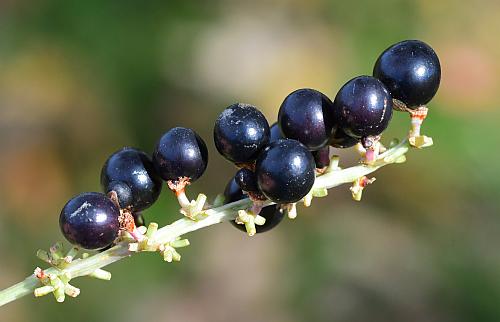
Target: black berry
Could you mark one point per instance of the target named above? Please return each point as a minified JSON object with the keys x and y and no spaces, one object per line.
{"x":322,"y":157}
{"x":285,"y":171}
{"x":363,"y":107}
{"x":90,"y":220}
{"x":411,"y":71}
{"x":275,"y":133}
{"x":130,"y":173}
{"x":341,"y":140}
{"x":246,"y":180}
{"x":272,"y":214}
{"x":306,"y":116}
{"x":233,"y":192}
{"x":179,"y":153}
{"x":240,"y":133}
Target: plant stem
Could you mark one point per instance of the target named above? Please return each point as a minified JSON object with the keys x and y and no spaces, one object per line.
{"x":86,"y":266}
{"x":19,"y":290}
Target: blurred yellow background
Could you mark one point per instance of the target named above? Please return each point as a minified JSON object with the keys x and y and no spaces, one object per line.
{"x":81,"y":79}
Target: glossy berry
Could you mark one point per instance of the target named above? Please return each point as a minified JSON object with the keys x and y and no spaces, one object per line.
{"x":306,"y":116}
{"x":246,"y":180}
{"x":275,"y":133}
{"x":363,"y":107}
{"x":233,"y":192}
{"x":180,"y":152}
{"x":322,"y":157}
{"x":240,"y":133}
{"x":341,"y":140}
{"x":272,"y":214}
{"x":285,"y":171}
{"x":411,"y":71}
{"x":130,"y":173}
{"x":90,"y":221}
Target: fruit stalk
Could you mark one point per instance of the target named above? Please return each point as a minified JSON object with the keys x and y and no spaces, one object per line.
{"x":88,"y":265}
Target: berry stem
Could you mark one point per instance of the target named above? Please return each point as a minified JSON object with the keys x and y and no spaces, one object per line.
{"x":189,"y":208}
{"x":256,"y":207}
{"x":417,"y":118}
{"x":86,"y":266}
{"x":371,"y":144}
{"x":291,"y":210}
{"x":179,"y":188}
{"x":335,"y":178}
{"x":183,"y":199}
{"x":415,"y":138}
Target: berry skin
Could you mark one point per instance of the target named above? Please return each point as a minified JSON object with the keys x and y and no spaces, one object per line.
{"x":180,"y":152}
{"x":275,"y":133}
{"x":90,"y":221}
{"x":272,"y":213}
{"x":241,"y":131}
{"x":130,"y":173}
{"x":322,"y":157}
{"x":233,"y":192}
{"x":411,"y":71}
{"x":363,"y":107}
{"x":285,"y":171}
{"x":341,"y":140}
{"x":246,"y":180}
{"x":306,"y":116}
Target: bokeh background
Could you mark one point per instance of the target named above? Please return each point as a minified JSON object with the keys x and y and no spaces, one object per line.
{"x":81,"y":79}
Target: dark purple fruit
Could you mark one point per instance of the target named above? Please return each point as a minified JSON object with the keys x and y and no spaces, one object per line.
{"x":180,"y":152}
{"x":233,"y":192}
{"x":285,"y":171}
{"x":90,"y":221}
{"x":275,"y":133}
{"x":341,"y":140}
{"x":363,"y":107}
{"x":322,"y":157}
{"x":272,"y":214}
{"x":130,"y":173}
{"x":246,"y":180}
{"x":306,"y":116}
{"x":240,"y":133}
{"x":411,"y":72}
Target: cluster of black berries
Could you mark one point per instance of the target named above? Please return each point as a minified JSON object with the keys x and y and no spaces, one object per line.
{"x":277,"y":163}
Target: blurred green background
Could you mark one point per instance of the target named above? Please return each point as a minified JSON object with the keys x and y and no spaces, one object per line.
{"x":81,"y":79}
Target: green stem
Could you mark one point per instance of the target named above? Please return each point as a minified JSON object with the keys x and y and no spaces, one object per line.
{"x":19,"y":290}
{"x":86,"y":266}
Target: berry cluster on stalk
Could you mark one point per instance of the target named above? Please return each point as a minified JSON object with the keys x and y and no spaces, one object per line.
{"x":275,"y":166}
{"x":277,"y":163}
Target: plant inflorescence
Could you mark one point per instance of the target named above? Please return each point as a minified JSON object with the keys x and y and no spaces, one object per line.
{"x":278,"y":167}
